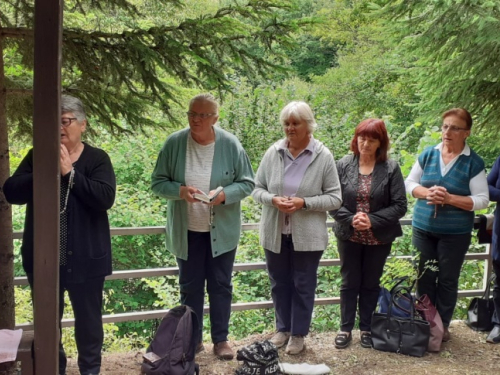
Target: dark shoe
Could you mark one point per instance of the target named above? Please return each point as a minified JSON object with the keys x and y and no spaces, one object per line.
{"x":342,"y":340}
{"x":446,"y":335}
{"x":199,"y":348}
{"x":494,"y":336}
{"x":366,"y":339}
{"x":222,"y":350}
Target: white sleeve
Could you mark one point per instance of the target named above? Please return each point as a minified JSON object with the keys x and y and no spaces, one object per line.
{"x":480,"y":196}
{"x":413,"y":179}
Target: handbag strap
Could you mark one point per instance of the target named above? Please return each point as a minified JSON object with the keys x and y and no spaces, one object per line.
{"x":393,"y":301}
{"x":487,"y":290}
{"x":399,"y":281}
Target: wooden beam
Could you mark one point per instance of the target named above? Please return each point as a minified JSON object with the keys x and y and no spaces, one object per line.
{"x":46,"y":143}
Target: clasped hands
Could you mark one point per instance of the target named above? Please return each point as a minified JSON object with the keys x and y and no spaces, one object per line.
{"x":437,"y":195}
{"x":361,"y":221}
{"x":288,"y":205}
{"x":186,"y":193}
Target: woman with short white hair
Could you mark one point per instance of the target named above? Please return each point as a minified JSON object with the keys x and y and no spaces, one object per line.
{"x":296,"y":183}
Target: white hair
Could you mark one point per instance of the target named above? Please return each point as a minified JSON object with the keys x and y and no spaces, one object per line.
{"x":73,"y":105}
{"x":300,"y":111}
{"x":205,"y":98}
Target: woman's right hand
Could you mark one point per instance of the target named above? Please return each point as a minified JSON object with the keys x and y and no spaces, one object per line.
{"x":65,"y":161}
{"x":436,"y":195}
{"x":187,"y":192}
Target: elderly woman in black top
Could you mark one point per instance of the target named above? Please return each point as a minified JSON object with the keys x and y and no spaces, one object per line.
{"x":374,"y":199}
{"x":87,"y":191}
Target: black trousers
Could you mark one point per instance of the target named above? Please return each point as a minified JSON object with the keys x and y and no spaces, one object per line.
{"x":293,"y":276}
{"x":217,"y":272}
{"x":448,"y":250}
{"x":86,"y":300}
{"x":361,"y":269}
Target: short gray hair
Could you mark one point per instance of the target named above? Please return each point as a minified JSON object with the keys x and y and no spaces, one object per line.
{"x":206,"y":97}
{"x":300,"y":111}
{"x":73,"y":105}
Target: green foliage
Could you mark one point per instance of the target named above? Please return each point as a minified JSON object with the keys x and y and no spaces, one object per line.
{"x":137,"y":62}
{"x":456,"y":43}
{"x":125,"y":62}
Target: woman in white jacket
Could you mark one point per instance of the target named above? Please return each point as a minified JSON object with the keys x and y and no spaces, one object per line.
{"x":297,"y":183}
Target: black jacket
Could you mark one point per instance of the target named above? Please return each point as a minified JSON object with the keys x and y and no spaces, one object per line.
{"x":387,"y":199}
{"x":93,"y":193}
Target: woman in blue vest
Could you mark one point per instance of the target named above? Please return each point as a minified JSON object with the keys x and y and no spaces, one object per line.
{"x":449,"y":183}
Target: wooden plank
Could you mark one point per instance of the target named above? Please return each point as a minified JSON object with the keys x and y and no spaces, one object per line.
{"x":46,"y":135}
{"x":172,"y":271}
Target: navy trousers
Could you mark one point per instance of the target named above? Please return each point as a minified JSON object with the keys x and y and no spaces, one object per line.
{"x":361,"y":269}
{"x":217,"y":272}
{"x":293,"y":276}
{"x":86,"y":300}
{"x":496,"y":292}
{"x":442,"y":285}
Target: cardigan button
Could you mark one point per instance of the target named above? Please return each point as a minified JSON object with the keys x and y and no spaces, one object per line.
{"x":69,"y":270}
{"x":215,"y":239}
{"x":70,"y":252}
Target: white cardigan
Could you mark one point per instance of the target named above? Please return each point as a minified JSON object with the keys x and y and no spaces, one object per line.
{"x":320,"y":188}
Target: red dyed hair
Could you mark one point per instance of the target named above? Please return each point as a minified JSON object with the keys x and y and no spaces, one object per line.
{"x":372,"y":128}
{"x":461,"y":113}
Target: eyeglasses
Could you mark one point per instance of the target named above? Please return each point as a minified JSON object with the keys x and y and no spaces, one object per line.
{"x":454,"y":129}
{"x":66,"y":121}
{"x":200,"y":115}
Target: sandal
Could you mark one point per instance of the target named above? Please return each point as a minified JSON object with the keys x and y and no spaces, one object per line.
{"x":366,"y":339}
{"x":342,"y":340}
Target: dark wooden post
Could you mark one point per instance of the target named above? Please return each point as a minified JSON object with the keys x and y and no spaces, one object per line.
{"x":46,"y":135}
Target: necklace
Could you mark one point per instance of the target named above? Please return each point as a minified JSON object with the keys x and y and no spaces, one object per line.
{"x":70,"y":185}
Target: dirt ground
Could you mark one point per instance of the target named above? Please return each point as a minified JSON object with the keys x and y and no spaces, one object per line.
{"x":466,"y":353}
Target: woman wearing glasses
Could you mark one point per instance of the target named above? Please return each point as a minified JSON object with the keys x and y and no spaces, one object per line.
{"x":449,"y":183}
{"x":296,"y":183}
{"x":203,"y":236}
{"x":87,"y":191}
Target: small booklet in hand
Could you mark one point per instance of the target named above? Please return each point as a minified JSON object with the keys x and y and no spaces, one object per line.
{"x":201,"y":196}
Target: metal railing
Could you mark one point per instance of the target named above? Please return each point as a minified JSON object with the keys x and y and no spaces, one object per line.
{"x":156,"y":272}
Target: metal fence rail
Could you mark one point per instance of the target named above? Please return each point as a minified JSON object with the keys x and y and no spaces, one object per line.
{"x":157,"y":272}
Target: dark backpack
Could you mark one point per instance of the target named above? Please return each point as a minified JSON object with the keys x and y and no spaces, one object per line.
{"x":172,"y":351}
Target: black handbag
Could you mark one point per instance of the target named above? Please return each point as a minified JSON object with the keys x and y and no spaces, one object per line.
{"x":404,"y":335}
{"x":481,"y":310}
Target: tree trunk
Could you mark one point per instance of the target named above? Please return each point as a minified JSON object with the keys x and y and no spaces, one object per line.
{"x":7,"y":310}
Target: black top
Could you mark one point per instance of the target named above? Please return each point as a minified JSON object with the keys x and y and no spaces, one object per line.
{"x":387,"y":199}
{"x":88,"y":235}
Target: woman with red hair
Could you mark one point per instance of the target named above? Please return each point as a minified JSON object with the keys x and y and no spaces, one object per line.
{"x":374,"y":199}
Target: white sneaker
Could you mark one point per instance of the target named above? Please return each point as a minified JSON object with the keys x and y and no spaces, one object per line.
{"x":280,"y":339}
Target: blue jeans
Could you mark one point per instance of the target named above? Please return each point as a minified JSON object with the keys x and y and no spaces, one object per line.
{"x":361,"y":269}
{"x":217,"y":272}
{"x":442,"y":285}
{"x":293,"y":276}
